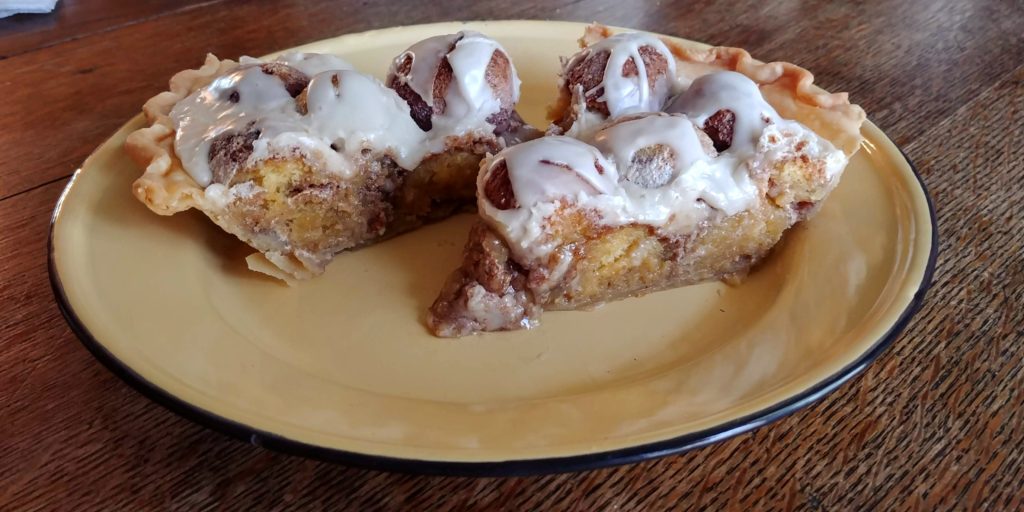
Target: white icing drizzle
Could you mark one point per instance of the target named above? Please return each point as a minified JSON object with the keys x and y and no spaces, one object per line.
{"x":621,"y":141}
{"x":357,"y":113}
{"x":704,"y":184}
{"x":309,"y":63}
{"x":263,"y":102}
{"x":717,"y":181}
{"x":426,"y":58}
{"x":586,"y":122}
{"x":727,"y":90}
{"x":759,"y":133}
{"x":554,"y":167}
{"x":345,"y":108}
{"x":544,"y":172}
{"x":313,"y":64}
{"x":469,"y":100}
{"x":469,"y":60}
{"x":538,"y":187}
{"x":629,"y":94}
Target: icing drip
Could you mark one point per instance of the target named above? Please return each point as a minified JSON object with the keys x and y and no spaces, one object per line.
{"x":727,"y":90}
{"x":629,"y":94}
{"x":759,"y":134}
{"x":621,"y":141}
{"x":426,"y":60}
{"x":344,"y":112}
{"x":262,"y":103}
{"x":555,"y":167}
{"x":355,"y":111}
{"x":698,"y":183}
{"x":313,"y":64}
{"x":469,"y":99}
{"x":344,"y":108}
{"x":473,"y":95}
{"x":586,"y":122}
{"x":542,"y":173}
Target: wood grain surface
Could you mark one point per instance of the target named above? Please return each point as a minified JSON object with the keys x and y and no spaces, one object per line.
{"x":935,"y":424}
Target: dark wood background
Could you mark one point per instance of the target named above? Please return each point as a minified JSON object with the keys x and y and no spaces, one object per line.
{"x":935,"y":423}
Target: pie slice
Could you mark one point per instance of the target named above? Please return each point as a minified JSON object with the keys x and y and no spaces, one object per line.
{"x":303,"y":157}
{"x":664,"y":167}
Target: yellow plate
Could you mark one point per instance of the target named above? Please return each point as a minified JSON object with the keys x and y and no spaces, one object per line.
{"x":343,"y":368}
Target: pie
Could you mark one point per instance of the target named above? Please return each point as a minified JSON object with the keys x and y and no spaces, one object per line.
{"x":664,"y":166}
{"x":303,"y":157}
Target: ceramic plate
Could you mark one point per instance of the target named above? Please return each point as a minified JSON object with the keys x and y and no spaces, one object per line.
{"x":342,"y":367}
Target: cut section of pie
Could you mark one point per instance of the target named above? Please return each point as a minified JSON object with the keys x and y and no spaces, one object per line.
{"x":302,"y":157}
{"x":677,"y":166}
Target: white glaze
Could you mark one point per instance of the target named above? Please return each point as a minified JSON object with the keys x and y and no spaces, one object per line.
{"x":313,"y":64}
{"x":473,"y":96}
{"x":710,"y":93}
{"x":628,"y":94}
{"x":717,"y":181}
{"x":357,"y":114}
{"x":704,"y":183}
{"x":309,"y":63}
{"x":540,"y":187}
{"x":469,"y":100}
{"x":759,"y":133}
{"x":207,"y":113}
{"x":426,"y":58}
{"x":493,"y":311}
{"x":559,"y":167}
{"x":620,"y":141}
{"x":586,"y":122}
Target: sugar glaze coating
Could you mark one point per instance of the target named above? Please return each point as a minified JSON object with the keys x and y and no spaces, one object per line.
{"x":700,"y":183}
{"x":317,"y":106}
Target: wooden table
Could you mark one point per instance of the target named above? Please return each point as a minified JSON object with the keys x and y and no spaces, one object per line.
{"x":935,"y":423}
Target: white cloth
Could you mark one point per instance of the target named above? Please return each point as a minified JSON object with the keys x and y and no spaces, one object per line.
{"x":9,"y":7}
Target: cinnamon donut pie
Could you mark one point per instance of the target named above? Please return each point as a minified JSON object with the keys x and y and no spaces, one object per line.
{"x":663,"y":167}
{"x":303,"y":157}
